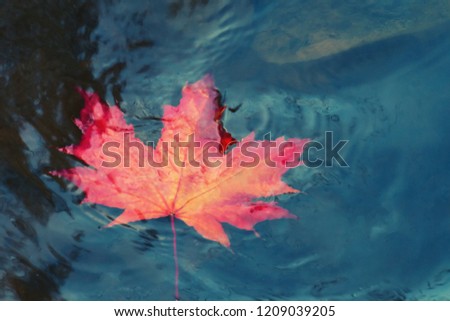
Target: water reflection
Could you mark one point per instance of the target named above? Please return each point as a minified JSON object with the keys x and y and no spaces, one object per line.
{"x":358,"y":227}
{"x":46,"y":51}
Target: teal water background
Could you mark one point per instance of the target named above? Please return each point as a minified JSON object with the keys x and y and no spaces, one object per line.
{"x":373,"y":73}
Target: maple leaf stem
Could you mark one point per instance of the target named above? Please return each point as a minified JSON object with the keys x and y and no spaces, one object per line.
{"x":175,"y":257}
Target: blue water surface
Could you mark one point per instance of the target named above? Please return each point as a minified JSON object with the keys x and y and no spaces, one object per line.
{"x":375,"y":74}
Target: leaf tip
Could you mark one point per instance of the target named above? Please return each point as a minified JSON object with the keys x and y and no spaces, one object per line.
{"x":292,"y":216}
{"x":83,"y":93}
{"x":111,"y":224}
{"x":225,"y":243}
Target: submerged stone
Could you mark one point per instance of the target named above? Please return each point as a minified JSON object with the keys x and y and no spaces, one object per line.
{"x":315,"y":29}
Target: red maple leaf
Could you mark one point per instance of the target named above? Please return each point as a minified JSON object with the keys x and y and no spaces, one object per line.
{"x":191,"y":174}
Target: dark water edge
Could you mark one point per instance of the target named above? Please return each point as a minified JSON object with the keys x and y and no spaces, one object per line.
{"x":378,"y":230}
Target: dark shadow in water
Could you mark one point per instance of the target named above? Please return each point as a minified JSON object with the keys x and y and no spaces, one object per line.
{"x":146,"y":239}
{"x":177,"y":5}
{"x":45,"y":50}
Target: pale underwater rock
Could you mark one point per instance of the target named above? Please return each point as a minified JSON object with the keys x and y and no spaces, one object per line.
{"x":311,"y":30}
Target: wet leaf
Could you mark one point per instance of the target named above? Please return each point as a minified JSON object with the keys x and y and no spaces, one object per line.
{"x":192,"y":173}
